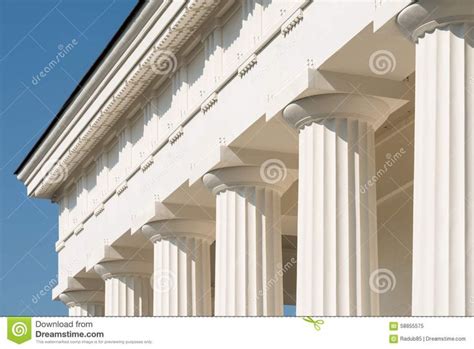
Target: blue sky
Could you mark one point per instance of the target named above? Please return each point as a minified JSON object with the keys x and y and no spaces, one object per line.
{"x":32,"y":33}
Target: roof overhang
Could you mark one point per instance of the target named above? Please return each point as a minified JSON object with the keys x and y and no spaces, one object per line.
{"x":117,"y":79}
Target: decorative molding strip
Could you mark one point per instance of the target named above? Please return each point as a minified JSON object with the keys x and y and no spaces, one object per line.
{"x":121,"y":188}
{"x":99,"y":210}
{"x":176,"y":135}
{"x":288,"y":26}
{"x":208,"y":103}
{"x":247,"y":65}
{"x":78,"y":229}
{"x":66,"y":238}
{"x":147,"y":163}
{"x":59,"y":245}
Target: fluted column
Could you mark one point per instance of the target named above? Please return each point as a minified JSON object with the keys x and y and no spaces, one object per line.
{"x":84,"y":303}
{"x":337,"y":213}
{"x":127,"y":287}
{"x":443,"y":213}
{"x":248,"y":242}
{"x":182,"y":266}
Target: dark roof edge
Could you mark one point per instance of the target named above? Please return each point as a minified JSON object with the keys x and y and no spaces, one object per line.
{"x":83,"y":81}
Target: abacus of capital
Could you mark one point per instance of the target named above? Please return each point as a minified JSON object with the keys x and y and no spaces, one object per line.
{"x":246,"y":158}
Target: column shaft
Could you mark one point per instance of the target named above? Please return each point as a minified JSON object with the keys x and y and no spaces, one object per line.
{"x":248,"y":252}
{"x":182,"y":277}
{"x":337,"y":222}
{"x":127,"y":287}
{"x":182,"y":266}
{"x":86,"y":310}
{"x":128,"y":295}
{"x":443,"y":212}
{"x":443,"y":263}
{"x":84,"y":302}
{"x":337,"y":208}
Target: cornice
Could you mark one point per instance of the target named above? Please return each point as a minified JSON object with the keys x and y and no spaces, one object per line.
{"x":137,"y":80}
{"x":89,"y":86}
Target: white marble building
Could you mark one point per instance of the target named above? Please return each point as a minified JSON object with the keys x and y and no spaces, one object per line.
{"x":229,"y":157}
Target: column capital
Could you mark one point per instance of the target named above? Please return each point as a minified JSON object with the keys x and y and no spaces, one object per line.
{"x":74,"y":298}
{"x":172,"y":228}
{"x":322,"y":107}
{"x":110,"y":269}
{"x":427,"y":15}
{"x":272,"y":175}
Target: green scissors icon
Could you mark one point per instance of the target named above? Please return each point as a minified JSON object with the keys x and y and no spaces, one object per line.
{"x":316,"y":323}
